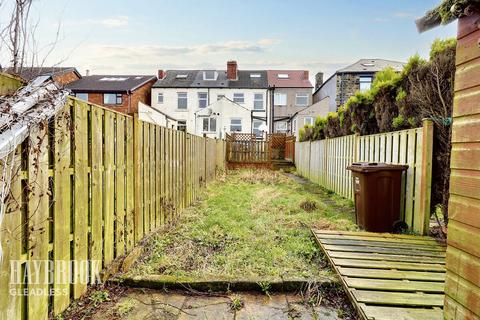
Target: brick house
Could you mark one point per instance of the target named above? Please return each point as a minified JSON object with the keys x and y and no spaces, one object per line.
{"x":345,"y":82}
{"x":118,"y":92}
{"x":291,"y":92}
{"x":61,"y":75}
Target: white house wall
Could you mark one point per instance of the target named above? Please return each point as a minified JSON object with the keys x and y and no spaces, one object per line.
{"x":169,"y":105}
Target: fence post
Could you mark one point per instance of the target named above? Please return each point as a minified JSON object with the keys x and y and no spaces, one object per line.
{"x":426,"y":176}
{"x":137,"y":157}
{"x":309,"y":157}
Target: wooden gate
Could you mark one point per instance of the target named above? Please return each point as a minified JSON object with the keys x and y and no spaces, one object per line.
{"x":245,"y":150}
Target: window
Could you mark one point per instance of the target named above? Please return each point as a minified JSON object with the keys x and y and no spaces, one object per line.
{"x":238,"y":98}
{"x":258,"y":101}
{"x":112,"y":98}
{"x":308,"y":120}
{"x":182,"y":125}
{"x":182,"y":76}
{"x":256,"y":128}
{"x":281,"y":126}
{"x":160,"y":98}
{"x":209,"y":75}
{"x":280,"y":99}
{"x":182,"y":100}
{"x":283,"y":76}
{"x":83,"y":96}
{"x":220,"y":96}
{"x":235,"y":125}
{"x":301,"y":99}
{"x":209,"y":125}
{"x":294,"y":126}
{"x":365,"y":83}
{"x":202,"y":99}
{"x":255,"y":75}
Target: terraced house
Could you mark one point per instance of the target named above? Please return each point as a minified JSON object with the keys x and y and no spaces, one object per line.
{"x":182,"y":94}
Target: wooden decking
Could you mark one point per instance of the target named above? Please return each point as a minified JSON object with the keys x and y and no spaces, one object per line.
{"x":388,"y":277}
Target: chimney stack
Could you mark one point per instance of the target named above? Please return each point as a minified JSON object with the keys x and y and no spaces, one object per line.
{"x":161,"y":74}
{"x":232,"y":72}
{"x":305,"y":74}
{"x":318,"y":80}
{"x":87,"y":72}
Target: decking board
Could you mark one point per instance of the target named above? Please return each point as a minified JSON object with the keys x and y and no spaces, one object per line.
{"x":388,"y":277}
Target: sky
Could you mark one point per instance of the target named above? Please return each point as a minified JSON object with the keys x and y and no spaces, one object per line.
{"x":142,"y":36}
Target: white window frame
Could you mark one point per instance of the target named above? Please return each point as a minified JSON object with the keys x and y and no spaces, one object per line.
{"x":209,"y":79}
{"x":209,"y":125}
{"x":363,"y":81}
{"x":182,"y":124}
{"x":202,"y":99}
{"x":231,"y":124}
{"x":294,"y":126}
{"x":310,"y":122}
{"x":259,"y":133}
{"x":256,"y":100}
{"x":302,"y":95}
{"x":276,"y":99}
{"x":160,"y":101}
{"x":184,"y":96}
{"x":283,"y":76}
{"x":237,"y":98}
{"x":281,"y":130}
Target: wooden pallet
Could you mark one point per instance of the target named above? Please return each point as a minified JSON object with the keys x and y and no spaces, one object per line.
{"x":386,"y":276}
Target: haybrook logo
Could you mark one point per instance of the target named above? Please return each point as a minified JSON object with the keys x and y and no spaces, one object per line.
{"x":47,"y":277}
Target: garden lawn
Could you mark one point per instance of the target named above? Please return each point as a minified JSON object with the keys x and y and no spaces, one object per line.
{"x":248,"y":225}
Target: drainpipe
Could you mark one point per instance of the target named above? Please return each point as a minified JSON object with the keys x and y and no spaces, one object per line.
{"x":272,"y":106}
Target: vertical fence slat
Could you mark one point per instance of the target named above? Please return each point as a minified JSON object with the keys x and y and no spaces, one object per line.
{"x":129,"y":183}
{"x":81,"y":197}
{"x":109,"y":182}
{"x":120,"y":186}
{"x":38,"y":227}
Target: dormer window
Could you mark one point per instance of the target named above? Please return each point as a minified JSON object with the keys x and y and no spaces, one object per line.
{"x":209,"y":75}
{"x":182,"y":76}
{"x":283,"y":76}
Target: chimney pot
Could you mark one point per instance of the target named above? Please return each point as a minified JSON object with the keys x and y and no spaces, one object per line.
{"x":318,"y":80}
{"x":87,"y":72}
{"x":232,"y":70}
{"x":305,"y":74}
{"x":161,"y":74}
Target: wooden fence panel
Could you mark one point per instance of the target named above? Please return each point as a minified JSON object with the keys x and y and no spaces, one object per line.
{"x":89,"y":202}
{"x":324,"y":162}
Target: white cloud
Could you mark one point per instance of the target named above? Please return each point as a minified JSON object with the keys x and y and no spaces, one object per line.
{"x":113,"y":22}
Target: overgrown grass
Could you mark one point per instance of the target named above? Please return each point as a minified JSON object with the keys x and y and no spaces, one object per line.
{"x":249,"y":224}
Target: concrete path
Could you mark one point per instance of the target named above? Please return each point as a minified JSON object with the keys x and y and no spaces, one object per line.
{"x":149,"y":305}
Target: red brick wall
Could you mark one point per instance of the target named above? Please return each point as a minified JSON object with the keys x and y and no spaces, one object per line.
{"x":462,"y":286}
{"x":66,"y":78}
{"x":129,"y":101}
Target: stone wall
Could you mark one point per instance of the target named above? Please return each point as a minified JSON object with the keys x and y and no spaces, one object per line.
{"x":347,"y":85}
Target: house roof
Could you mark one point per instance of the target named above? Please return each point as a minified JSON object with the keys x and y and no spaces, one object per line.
{"x":195,"y":79}
{"x":295,"y":79}
{"x":30,"y":73}
{"x":446,"y":12}
{"x":110,"y":83}
{"x":371,"y":65}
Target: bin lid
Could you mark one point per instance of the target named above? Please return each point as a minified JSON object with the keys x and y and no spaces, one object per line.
{"x":375,"y":167}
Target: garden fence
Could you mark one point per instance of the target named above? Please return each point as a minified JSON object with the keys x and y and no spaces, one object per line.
{"x":325,"y":162}
{"x":88,"y":187}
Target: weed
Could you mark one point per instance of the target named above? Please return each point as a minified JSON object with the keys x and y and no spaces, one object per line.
{"x":265,"y":286}
{"x":100,"y":296}
{"x":236,"y":303}
{"x":124,"y":307}
{"x":308,"y":205}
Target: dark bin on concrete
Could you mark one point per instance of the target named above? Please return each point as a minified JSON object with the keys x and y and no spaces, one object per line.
{"x":378,"y":188}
